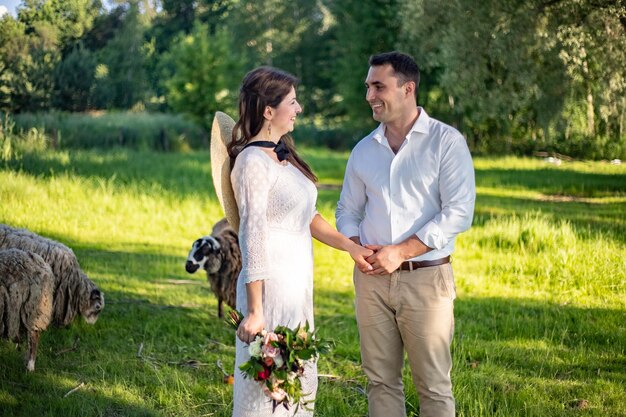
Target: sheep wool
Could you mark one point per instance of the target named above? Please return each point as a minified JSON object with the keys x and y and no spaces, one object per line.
{"x":220,"y":256}
{"x":74,"y":292}
{"x":26,"y":298}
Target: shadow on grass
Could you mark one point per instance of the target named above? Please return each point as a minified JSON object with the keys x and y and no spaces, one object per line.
{"x":554,"y":181}
{"x":137,"y":351}
{"x":541,"y":339}
{"x":187,"y":174}
{"x":515,"y":333}
{"x":585,"y":218}
{"x":177,"y":174}
{"x":159,"y":333}
{"x":17,"y":389}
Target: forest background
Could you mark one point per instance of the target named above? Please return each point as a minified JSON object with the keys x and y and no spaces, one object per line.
{"x":105,"y":112}
{"x":516,"y":77}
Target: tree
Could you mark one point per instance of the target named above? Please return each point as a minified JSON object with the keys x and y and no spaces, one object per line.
{"x":294,"y":36}
{"x":310,"y":59}
{"x":362,"y":29}
{"x":179,"y":16}
{"x":516,"y":75}
{"x":105,"y":27}
{"x":206,"y":74}
{"x":13,"y":62}
{"x":34,"y":47}
{"x":27,"y":62}
{"x":74,"y":79}
{"x":71,"y":18}
{"x":592,"y":47}
{"x":121,"y":79}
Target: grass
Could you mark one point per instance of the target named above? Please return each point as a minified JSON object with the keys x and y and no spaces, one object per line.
{"x":105,"y":130}
{"x":539,"y":317}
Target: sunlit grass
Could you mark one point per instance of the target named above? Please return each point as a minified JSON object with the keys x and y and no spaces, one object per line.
{"x":540,"y":277}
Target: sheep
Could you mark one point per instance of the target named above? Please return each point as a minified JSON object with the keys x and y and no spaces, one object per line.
{"x":220,"y":257}
{"x":26,"y":299}
{"x":74,"y":292}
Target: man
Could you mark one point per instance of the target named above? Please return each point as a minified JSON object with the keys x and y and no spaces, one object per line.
{"x":408,"y":191}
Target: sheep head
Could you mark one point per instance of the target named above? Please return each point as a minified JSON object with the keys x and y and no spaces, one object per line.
{"x":205,"y":253}
{"x":90,"y":310}
{"x":76,"y":295}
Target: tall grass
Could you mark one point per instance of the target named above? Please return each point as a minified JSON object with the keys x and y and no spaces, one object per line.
{"x":105,"y":130}
{"x":539,"y":317}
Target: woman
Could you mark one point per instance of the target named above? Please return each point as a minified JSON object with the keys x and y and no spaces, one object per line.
{"x":276,"y":194}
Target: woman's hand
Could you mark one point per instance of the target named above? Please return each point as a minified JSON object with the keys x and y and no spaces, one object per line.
{"x":250,"y":326}
{"x":359,"y":253}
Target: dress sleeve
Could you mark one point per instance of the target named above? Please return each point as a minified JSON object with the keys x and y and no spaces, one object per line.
{"x":251,"y":185}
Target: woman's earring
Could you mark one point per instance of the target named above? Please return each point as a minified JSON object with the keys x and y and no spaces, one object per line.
{"x":269,"y":131}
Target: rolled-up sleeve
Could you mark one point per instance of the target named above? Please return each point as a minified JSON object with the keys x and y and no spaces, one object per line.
{"x":457,"y":190}
{"x":351,"y":205}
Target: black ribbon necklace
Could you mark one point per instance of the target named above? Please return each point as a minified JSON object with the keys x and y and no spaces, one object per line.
{"x":280,"y":148}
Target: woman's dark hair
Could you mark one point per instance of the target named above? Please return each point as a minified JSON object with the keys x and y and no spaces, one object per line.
{"x":262,"y":87}
{"x":403,"y":65}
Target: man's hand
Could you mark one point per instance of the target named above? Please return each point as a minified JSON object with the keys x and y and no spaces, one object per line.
{"x":385,"y":259}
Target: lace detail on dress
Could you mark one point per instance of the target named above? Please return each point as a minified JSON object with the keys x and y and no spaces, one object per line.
{"x":252,"y":179}
{"x":276,"y":205}
{"x":283,"y":204}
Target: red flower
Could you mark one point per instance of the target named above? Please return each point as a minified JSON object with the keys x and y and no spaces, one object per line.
{"x":277,"y":361}
{"x":263,"y":375}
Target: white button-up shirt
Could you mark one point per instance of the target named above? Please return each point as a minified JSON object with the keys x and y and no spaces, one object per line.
{"x":427,"y":189}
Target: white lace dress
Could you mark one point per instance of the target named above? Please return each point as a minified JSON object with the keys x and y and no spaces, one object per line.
{"x":276,"y":205}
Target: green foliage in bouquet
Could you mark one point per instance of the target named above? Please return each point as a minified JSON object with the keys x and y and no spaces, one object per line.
{"x":277,"y":361}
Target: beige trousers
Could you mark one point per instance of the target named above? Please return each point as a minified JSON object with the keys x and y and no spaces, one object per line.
{"x":412,"y":311}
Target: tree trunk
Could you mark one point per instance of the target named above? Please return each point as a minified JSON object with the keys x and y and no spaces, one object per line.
{"x":591,"y":125}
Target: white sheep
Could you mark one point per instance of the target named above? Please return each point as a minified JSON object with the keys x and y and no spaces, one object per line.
{"x":26,"y":299}
{"x":74,"y":292}
{"x":219,"y":255}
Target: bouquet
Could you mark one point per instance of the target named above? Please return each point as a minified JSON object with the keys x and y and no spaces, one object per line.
{"x":277,"y":360}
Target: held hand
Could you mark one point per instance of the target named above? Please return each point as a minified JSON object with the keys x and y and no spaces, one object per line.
{"x":359,"y":253}
{"x":385,"y":259}
{"x":250,"y":326}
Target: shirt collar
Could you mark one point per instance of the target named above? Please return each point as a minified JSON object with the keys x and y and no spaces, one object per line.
{"x":420,"y":126}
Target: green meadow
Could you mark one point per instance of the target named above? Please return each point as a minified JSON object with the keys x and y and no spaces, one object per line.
{"x":541,"y":281}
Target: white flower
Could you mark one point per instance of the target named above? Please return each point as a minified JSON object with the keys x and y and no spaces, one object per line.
{"x":278,"y":360}
{"x":278,"y":394}
{"x":255,"y":347}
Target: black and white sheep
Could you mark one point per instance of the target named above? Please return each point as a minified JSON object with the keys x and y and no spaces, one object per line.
{"x":74,"y":293}
{"x":219,"y":255}
{"x":26,"y":299}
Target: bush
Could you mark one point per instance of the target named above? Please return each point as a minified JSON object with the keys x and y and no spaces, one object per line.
{"x":142,"y":131}
{"x":13,"y":145}
{"x":6,"y":137}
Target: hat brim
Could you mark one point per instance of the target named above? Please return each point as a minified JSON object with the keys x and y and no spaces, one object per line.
{"x":221,"y":135}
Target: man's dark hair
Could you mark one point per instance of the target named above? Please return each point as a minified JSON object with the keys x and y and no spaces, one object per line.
{"x":403,"y":65}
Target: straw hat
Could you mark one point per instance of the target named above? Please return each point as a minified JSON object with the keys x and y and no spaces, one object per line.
{"x":221,"y":135}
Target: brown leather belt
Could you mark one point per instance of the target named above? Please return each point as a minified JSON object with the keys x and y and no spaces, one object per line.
{"x":413,"y":265}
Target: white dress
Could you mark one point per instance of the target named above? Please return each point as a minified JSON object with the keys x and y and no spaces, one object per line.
{"x":276,"y":206}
